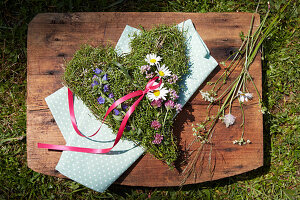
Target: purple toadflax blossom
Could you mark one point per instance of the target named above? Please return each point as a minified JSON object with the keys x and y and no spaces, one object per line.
{"x":111,"y":95}
{"x":97,"y":71}
{"x":116,"y":112}
{"x":106,"y":88}
{"x":105,"y":77}
{"x":95,"y":83}
{"x":124,"y":106}
{"x":95,"y":76}
{"x":101,"y":100}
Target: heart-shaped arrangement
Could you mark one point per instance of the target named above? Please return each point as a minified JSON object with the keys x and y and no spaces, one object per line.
{"x":99,"y":77}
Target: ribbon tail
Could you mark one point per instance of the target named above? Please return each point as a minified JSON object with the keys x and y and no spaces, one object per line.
{"x":91,"y":150}
{"x":72,"y":148}
{"x":72,"y":113}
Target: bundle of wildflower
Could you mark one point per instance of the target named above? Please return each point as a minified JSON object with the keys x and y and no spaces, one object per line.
{"x":99,"y":77}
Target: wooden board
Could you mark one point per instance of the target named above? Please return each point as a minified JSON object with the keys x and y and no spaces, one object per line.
{"x":53,"y":39}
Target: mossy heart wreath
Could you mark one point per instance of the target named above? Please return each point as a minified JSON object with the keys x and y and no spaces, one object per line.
{"x":99,"y":77}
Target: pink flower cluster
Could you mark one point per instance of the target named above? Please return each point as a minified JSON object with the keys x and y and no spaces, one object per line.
{"x":173,"y":79}
{"x":155,"y":124}
{"x":156,"y":103}
{"x":157,"y":139}
{"x":169,"y":104}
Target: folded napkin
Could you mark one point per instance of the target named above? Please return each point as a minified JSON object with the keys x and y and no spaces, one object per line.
{"x":99,"y":171}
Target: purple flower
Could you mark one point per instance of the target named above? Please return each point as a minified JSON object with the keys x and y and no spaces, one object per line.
{"x":157,"y":139}
{"x":156,"y":103}
{"x":155,"y":124}
{"x":173,"y":94}
{"x":169,"y":104}
{"x":111,"y":95}
{"x":178,"y":107}
{"x":106,"y":88}
{"x":127,"y":128}
{"x":124,"y":106}
{"x":95,"y":76}
{"x":104,"y":77}
{"x":97,"y":71}
{"x":173,"y":79}
{"x":95,"y":83}
{"x":149,"y":75}
{"x":116,"y":112}
{"x":101,"y":100}
{"x":145,"y":68}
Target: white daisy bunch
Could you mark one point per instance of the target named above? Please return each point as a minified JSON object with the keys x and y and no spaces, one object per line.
{"x":162,"y":71}
{"x":161,"y":93}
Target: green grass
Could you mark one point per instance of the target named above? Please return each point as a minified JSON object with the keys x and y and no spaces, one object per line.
{"x":278,"y":179}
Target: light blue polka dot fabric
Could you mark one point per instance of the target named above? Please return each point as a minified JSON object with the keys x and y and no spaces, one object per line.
{"x":99,"y":171}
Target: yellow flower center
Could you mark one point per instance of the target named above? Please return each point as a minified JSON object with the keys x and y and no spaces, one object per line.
{"x":153,"y":60}
{"x":156,"y":93}
{"x":161,"y":73}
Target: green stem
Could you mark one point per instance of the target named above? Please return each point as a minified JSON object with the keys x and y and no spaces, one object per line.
{"x":163,"y":126}
{"x":243,"y":123}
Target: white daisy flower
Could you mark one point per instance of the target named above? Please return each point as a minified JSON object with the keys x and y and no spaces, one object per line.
{"x":159,"y":93}
{"x":244,"y":96}
{"x":163,"y":71}
{"x":152,"y":59}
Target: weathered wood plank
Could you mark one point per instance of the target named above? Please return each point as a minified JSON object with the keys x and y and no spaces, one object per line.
{"x":53,"y":39}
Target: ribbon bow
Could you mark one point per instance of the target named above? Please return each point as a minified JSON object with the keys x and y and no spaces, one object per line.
{"x":141,"y":93}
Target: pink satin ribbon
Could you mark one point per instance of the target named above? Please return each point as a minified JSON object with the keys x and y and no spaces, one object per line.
{"x":141,"y":93}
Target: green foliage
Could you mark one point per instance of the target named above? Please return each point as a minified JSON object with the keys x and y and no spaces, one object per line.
{"x":278,"y":179}
{"x":125,"y":76}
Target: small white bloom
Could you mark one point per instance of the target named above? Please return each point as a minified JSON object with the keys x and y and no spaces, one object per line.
{"x":159,"y":93}
{"x":228,"y":119}
{"x":152,"y":59}
{"x":249,"y":142}
{"x":244,"y":96}
{"x":163,"y":71}
{"x":207,"y":97}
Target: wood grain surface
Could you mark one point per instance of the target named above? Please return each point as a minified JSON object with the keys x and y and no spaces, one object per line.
{"x":54,"y":37}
